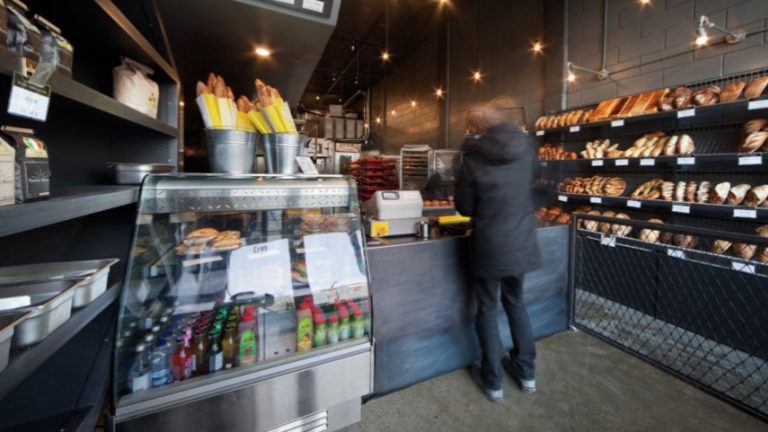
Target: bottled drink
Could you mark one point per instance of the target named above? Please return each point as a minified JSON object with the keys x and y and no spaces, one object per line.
{"x":304,"y":327}
{"x":321,"y":335}
{"x":198,"y":351}
{"x":333,"y":329}
{"x":164,"y":322}
{"x":149,"y":341}
{"x":161,"y":364}
{"x":138,"y":377}
{"x":343,"y":323}
{"x":247,"y":332}
{"x":229,"y":345}
{"x":358,"y":324}
{"x":215,"y":352}
{"x":182,"y":360}
{"x":170,"y":337}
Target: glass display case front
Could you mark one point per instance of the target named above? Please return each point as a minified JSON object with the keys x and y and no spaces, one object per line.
{"x":235,"y":274}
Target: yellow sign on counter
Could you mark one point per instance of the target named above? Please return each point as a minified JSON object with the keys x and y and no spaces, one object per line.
{"x":379,"y":229}
{"x":453,"y":219}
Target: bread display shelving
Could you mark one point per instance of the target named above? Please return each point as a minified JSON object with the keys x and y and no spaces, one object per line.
{"x":416,"y":162}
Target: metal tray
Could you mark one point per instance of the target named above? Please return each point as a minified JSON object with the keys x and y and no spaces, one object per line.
{"x":50,"y":307}
{"x":94,"y":274}
{"x":8,"y":324}
{"x":134,"y":173}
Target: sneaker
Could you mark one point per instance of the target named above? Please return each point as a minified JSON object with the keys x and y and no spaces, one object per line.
{"x":526,"y":385}
{"x":495,"y":396}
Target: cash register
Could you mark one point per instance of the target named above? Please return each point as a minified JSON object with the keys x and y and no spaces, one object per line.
{"x":393,"y":213}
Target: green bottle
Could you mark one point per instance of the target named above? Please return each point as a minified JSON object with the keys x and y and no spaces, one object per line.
{"x":321,"y":335}
{"x":333,"y":329}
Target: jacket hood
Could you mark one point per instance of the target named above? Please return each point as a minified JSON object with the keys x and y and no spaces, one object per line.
{"x":502,"y":145}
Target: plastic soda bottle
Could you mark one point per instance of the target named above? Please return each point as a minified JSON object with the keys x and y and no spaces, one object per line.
{"x":333,"y":329}
{"x":358,"y":324}
{"x":321,"y":334}
{"x":343,"y":323}
{"x":138,"y":377}
{"x":161,"y":364}
{"x":303,"y":327}
{"x":247,"y":331}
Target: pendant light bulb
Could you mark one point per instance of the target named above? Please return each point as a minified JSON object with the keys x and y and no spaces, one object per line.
{"x":439,"y":92}
{"x":393,"y":112}
{"x":378,"y":120}
{"x":317,"y":98}
{"x":477,"y":75}
{"x":385,"y":56}
{"x":645,"y":2}
{"x":703,"y":37}
{"x":537,"y":46}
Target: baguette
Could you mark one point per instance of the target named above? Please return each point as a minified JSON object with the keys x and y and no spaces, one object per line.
{"x":732,"y":91}
{"x":642,"y":103}
{"x":755,"y":88}
{"x":753,"y":126}
{"x":653,"y":104}
{"x":753,"y":142}
{"x":576,"y":116}
{"x":737,"y":194}
{"x":608,"y":110}
{"x":629,"y":106}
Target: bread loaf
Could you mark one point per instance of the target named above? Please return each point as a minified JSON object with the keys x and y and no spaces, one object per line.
{"x":670,"y":148}
{"x":721,"y":246}
{"x":719,"y":194}
{"x":667,"y":237}
{"x":592,"y":225}
{"x":732,"y":92}
{"x":650,"y":235}
{"x":680,"y":191}
{"x":762,"y":231}
{"x":737,"y":194}
{"x":762,"y":255}
{"x":703,"y":97}
{"x":743,"y":251}
{"x":682,"y":97}
{"x":690,"y":192}
{"x":642,"y":104}
{"x":755,"y":88}
{"x":621,"y":230}
{"x":685,"y":145}
{"x":629,"y":106}
{"x":684,"y":241}
{"x":601,"y":108}
{"x":667,"y":104}
{"x":605,"y":227}
{"x":653,"y":102}
{"x":753,"y":126}
{"x":703,"y":193}
{"x":667,"y":190}
{"x":753,"y":142}
{"x":756,"y":196}
{"x":561,"y":120}
{"x":576,"y":117}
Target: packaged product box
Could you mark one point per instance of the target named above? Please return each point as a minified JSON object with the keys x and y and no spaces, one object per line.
{"x":32,"y":172}
{"x":7,"y":174}
{"x":23,"y":37}
{"x":3,"y":24}
{"x":55,"y":50}
{"x":133,"y":87}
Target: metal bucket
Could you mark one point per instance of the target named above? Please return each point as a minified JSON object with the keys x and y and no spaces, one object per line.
{"x":231,"y":151}
{"x":280,"y":151}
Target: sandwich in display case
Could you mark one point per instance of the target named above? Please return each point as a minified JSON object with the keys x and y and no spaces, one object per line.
{"x":246,"y":306}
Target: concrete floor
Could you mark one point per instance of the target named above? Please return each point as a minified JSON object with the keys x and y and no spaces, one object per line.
{"x":584,"y":385}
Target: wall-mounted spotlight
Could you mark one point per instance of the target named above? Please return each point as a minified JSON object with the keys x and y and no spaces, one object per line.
{"x":413,"y":103}
{"x":601,"y":75}
{"x":477,"y":75}
{"x":385,"y":56}
{"x":537,"y":46}
{"x":732,"y":37}
{"x":645,"y":2}
{"x":263,"y":52}
{"x":378,"y":120}
{"x":439,"y":93}
{"x":393,"y":112}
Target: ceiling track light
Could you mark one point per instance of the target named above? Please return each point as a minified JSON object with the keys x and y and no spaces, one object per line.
{"x":601,"y":75}
{"x":732,"y":37}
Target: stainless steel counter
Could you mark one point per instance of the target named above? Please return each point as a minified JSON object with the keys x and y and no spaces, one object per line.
{"x":424,"y":309}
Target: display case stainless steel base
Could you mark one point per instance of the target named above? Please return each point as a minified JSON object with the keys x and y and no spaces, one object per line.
{"x":318,"y":393}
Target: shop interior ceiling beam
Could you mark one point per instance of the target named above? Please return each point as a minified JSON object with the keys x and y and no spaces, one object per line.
{"x":221,"y":36}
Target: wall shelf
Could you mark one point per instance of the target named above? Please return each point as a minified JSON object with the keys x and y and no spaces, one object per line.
{"x":68,"y":204}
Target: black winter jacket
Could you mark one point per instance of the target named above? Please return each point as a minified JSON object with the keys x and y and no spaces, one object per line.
{"x":494,"y":188}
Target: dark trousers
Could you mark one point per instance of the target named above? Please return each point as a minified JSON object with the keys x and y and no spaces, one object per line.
{"x":523,"y":352}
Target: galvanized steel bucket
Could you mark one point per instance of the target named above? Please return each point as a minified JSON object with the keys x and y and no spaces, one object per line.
{"x":231,"y":151}
{"x":280,"y":151}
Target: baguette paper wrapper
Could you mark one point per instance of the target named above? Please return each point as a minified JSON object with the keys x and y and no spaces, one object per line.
{"x":209,"y":109}
{"x":274,"y":118}
{"x":260,"y":122}
{"x":286,"y":117}
{"x":244,"y":122}
{"x":227,"y":111}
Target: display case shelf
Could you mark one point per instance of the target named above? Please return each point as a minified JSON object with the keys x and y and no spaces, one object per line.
{"x":84,"y":95}
{"x":23,"y":363}
{"x":705,"y":160}
{"x":68,"y":204}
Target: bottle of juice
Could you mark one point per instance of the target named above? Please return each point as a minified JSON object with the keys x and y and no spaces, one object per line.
{"x":333,"y":329}
{"x":182,"y":360}
{"x":343,"y":323}
{"x":198,"y":350}
{"x":358,"y":324}
{"x":138,"y":377}
{"x":229,"y":345}
{"x":215,"y":352}
{"x":247,"y":332}
{"x":303,"y":327}
{"x":321,"y":335}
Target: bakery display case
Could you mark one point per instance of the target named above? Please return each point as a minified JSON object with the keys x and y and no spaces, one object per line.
{"x":245,"y":294}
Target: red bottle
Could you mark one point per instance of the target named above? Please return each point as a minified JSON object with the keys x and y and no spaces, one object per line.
{"x":182,"y":360}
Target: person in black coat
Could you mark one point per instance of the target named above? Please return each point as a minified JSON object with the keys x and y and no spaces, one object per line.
{"x":494,"y":188}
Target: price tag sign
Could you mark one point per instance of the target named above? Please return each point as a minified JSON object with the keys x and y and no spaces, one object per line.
{"x":575,"y":129}
{"x":562,"y":198}
{"x":540,"y":133}
{"x":745,"y":214}
{"x":676,"y":253}
{"x":28,"y":100}
{"x":750,"y":160}
{"x":622,"y":162}
{"x":634,"y":204}
{"x":262,"y":268}
{"x":597,"y":162}
{"x":608,"y":240}
{"x":757,"y":105}
{"x":686,"y":161}
{"x":686,"y":113}
{"x":647,"y":162}
{"x":743,"y":267}
{"x":617,"y":123}
{"x":314,"y":5}
{"x":306,"y":165}
{"x":684,"y":209}
{"x":544,"y":164}
{"x":596,"y":200}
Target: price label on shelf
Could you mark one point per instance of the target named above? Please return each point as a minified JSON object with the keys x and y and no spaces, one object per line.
{"x":757,"y":105}
{"x":647,"y":162}
{"x":684,"y":209}
{"x":306,"y":165}
{"x":622,"y":162}
{"x":544,"y":164}
{"x":540,"y":133}
{"x":750,"y":160}
{"x":575,"y":128}
{"x":634,"y":204}
{"x":686,"y":113}
{"x":596,"y":200}
{"x":597,"y":162}
{"x":608,"y":240}
{"x":676,"y":253}
{"x":562,"y":198}
{"x":745,"y":214}
{"x":314,"y":5}
{"x":686,"y":161}
{"x":28,"y":100}
{"x":743,"y":267}
{"x":617,"y":123}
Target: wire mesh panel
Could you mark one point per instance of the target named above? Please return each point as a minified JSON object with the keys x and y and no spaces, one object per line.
{"x":672,"y":296}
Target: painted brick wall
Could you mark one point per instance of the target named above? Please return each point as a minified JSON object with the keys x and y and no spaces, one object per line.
{"x":651,"y":46}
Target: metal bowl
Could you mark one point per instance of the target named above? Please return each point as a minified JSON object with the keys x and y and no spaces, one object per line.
{"x":134,"y":173}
